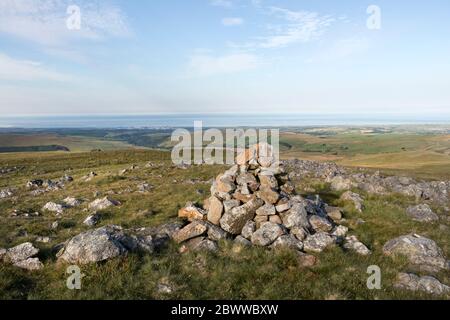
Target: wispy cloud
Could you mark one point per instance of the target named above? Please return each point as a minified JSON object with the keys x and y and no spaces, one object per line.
{"x":290,"y":27}
{"x":44,"y":21}
{"x":341,"y":49}
{"x":232,"y":21}
{"x":207,"y":65}
{"x":23,"y":70}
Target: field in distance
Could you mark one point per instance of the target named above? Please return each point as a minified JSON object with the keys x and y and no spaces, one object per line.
{"x":421,"y":151}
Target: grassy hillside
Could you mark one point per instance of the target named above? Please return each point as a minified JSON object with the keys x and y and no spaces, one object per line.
{"x":248,"y":274}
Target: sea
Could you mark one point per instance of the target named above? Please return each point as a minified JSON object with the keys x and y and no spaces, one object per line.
{"x":216,"y":120}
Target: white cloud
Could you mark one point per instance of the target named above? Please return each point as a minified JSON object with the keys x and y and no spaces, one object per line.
{"x":301,"y":26}
{"x":207,"y":65}
{"x":24,"y":70}
{"x":232,"y":21}
{"x":44,"y":21}
{"x":291,"y":27}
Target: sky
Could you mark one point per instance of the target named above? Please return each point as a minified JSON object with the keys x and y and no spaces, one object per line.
{"x":224,"y":56}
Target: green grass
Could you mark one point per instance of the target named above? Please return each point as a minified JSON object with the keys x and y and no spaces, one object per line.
{"x":253,"y":273}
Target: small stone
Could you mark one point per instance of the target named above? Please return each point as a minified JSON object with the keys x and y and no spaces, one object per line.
{"x":225,"y":183}
{"x":269,"y":195}
{"x":230,"y":204}
{"x":234,"y":220}
{"x":339,"y":231}
{"x":259,"y":220}
{"x":306,"y":260}
{"x":299,"y":232}
{"x":355,"y":198}
{"x":216,"y":233}
{"x":320,"y":224}
{"x":296,"y":217}
{"x":242,"y":241}
{"x":21,"y":252}
{"x":92,"y":220}
{"x":30,"y":264}
{"x":72,"y":202}
{"x":53,"y":207}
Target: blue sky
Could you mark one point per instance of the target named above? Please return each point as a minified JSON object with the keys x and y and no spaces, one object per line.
{"x":215,"y":56}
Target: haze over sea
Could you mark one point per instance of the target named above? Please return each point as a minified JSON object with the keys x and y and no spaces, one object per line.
{"x":216,"y":120}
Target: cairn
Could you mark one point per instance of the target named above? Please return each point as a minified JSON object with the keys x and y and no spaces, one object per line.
{"x":254,"y":203}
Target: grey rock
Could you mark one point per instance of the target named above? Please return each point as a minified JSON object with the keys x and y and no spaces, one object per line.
{"x":287,"y":241}
{"x":267,"y":234}
{"x":412,"y":282}
{"x":422,"y":213}
{"x":296,"y":217}
{"x":72,"y":202}
{"x":6,"y":193}
{"x":266,"y":210}
{"x":54,"y":207}
{"x":30,"y":264}
{"x":418,"y":250}
{"x":317,"y":242}
{"x":102,"y":204}
{"x":92,"y":220}
{"x":242,"y":241}
{"x":21,"y":252}
{"x":234,"y":220}
{"x":192,"y":230}
{"x":248,"y":229}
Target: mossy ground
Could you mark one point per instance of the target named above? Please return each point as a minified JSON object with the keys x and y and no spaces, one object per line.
{"x":252,"y":273}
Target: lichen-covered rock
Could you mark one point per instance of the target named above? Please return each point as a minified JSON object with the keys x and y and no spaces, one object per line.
{"x":296,"y":217}
{"x":422,"y":213}
{"x":267,"y":234}
{"x":266,"y":210}
{"x":418,"y":250}
{"x":95,"y":246}
{"x":412,"y":282}
{"x":21,"y":252}
{"x":334,"y":213}
{"x":30,"y":264}
{"x":234,"y":220}
{"x":248,"y":229}
{"x":317,"y":242}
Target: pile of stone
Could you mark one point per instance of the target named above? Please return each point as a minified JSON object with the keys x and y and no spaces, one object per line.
{"x":254,"y":203}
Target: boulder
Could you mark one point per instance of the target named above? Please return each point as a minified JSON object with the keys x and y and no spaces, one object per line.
{"x":418,"y":250}
{"x":267,"y":234}
{"x":412,"y":282}
{"x":422,"y":213}
{"x":95,"y":246}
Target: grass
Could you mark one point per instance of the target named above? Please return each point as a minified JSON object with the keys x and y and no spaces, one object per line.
{"x":252,"y":273}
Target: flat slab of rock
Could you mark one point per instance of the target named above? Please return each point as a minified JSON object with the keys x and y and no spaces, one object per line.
{"x":30,"y":264}
{"x":422,"y":213}
{"x":192,"y":213}
{"x":418,"y":250}
{"x":192,"y":230}
{"x":412,"y":282}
